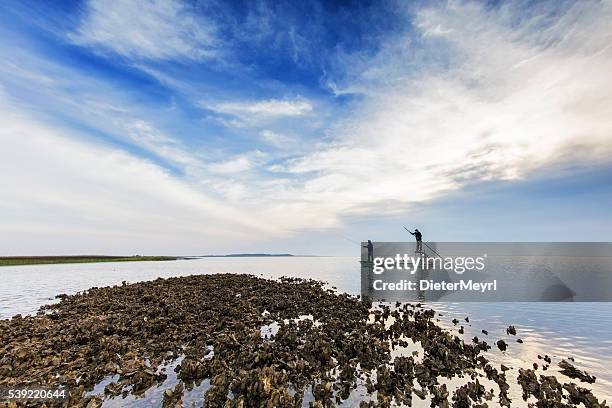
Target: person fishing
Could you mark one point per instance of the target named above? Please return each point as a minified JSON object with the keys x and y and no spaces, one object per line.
{"x":370,"y":247}
{"x":419,"y":239}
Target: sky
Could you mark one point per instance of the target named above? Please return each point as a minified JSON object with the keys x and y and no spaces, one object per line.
{"x":208,"y":127}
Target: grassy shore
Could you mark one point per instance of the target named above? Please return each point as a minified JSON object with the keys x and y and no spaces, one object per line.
{"x":33,"y":260}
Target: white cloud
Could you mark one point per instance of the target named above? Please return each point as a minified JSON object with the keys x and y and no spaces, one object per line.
{"x":48,"y":88}
{"x":276,"y":139}
{"x":482,"y":95}
{"x":486,"y":99}
{"x":239,"y":164}
{"x":156,"y":29}
{"x":60,"y":195}
{"x":146,"y":136}
{"x":236,"y":165}
{"x":265,"y":108}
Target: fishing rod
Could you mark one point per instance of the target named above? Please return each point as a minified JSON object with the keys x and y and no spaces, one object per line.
{"x":347,"y":238}
{"x":425,"y":243}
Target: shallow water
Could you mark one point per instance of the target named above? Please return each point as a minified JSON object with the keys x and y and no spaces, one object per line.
{"x":580,"y":330}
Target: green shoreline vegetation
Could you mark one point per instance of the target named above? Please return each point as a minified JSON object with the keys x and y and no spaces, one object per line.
{"x":35,"y":260}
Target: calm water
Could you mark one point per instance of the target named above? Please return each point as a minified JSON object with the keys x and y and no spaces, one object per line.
{"x":580,"y":330}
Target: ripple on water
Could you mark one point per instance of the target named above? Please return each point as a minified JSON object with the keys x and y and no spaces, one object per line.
{"x":555,"y":329}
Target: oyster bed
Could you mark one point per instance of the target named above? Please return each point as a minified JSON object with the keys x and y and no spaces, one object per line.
{"x":259,"y":342}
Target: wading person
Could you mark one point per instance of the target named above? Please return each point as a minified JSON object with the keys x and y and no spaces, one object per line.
{"x":419,"y":239}
{"x":370,"y":247}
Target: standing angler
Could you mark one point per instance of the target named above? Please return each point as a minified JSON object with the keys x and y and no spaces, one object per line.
{"x":370,"y":247}
{"x":419,"y":239}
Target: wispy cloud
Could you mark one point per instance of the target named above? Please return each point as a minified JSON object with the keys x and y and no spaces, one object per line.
{"x":277,"y":139}
{"x":143,"y":29}
{"x":146,"y":136}
{"x":498,"y":94}
{"x":51,"y":89}
{"x":111,"y":200}
{"x":238,"y":164}
{"x":263,"y":108}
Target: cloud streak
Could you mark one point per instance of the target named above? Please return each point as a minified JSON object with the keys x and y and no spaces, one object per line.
{"x":155,"y":30}
{"x":263,"y":108}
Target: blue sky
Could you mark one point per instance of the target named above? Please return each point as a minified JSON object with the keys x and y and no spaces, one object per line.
{"x":208,"y":127}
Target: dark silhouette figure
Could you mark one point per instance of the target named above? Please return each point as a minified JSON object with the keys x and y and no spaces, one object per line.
{"x":370,"y":247}
{"x":419,"y":239}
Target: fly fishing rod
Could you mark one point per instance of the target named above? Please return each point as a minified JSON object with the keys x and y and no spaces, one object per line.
{"x":347,"y":238}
